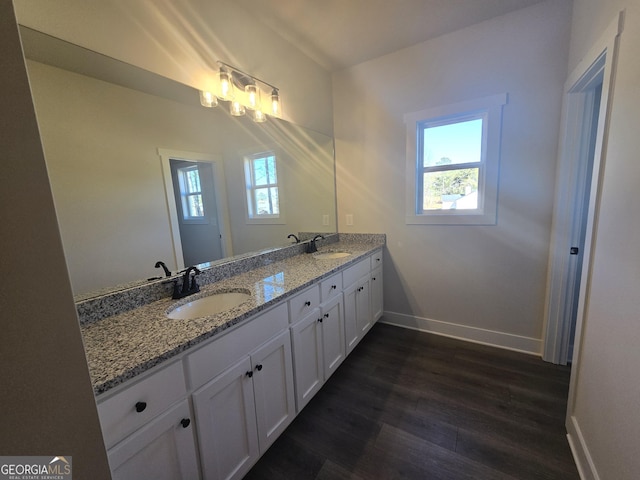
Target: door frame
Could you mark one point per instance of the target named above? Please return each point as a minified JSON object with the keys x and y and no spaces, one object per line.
{"x":569,"y":203}
{"x":221,"y":199}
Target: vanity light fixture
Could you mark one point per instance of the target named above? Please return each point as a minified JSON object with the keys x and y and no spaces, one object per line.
{"x":244,"y":93}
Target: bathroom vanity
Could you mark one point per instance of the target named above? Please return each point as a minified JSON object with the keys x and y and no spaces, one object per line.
{"x":205,"y":397}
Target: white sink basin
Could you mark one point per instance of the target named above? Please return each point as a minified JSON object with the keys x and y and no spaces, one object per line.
{"x":330,"y":255}
{"x":210,"y":305}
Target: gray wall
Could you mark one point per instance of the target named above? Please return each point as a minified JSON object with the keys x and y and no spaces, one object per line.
{"x":46,"y":395}
{"x":484,"y":283}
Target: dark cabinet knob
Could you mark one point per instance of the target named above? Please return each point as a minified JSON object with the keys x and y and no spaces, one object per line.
{"x":259,"y":367}
{"x":140,"y":406}
{"x":373,"y":278}
{"x":249,"y":374}
{"x":320,"y":320}
{"x":326,"y":315}
{"x":308,"y":304}
{"x":333,"y":287}
{"x":185,"y":422}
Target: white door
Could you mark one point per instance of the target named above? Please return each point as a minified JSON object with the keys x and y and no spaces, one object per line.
{"x":195,"y":197}
{"x":584,"y":118}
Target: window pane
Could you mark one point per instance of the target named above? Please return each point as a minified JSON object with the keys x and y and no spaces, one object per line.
{"x":196,"y":208}
{"x":275,"y":203}
{"x":193,"y":180}
{"x":452,"y":144}
{"x":263,"y":206}
{"x":259,"y":172}
{"x":451,"y":190}
{"x":271,"y":169}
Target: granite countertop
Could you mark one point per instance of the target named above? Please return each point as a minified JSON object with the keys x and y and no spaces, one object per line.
{"x":122,"y":346}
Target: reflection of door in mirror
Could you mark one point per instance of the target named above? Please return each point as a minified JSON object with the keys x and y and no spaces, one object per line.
{"x":196,"y":196}
{"x":194,"y":193}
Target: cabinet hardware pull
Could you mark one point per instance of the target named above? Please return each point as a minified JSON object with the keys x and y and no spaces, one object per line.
{"x":333,"y":287}
{"x":259,"y":367}
{"x":140,"y":406}
{"x":249,"y":374}
{"x":308,"y":304}
{"x":373,"y":278}
{"x":185,"y":422}
{"x":320,"y":320}
{"x":326,"y":315}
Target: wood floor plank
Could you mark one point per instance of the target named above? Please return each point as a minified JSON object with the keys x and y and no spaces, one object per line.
{"x":412,"y":405}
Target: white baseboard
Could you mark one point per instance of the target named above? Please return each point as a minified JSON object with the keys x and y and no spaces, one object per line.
{"x":581,"y":455}
{"x":494,"y":338}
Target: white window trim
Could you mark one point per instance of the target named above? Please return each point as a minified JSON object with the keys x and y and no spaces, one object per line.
{"x":486,"y":214}
{"x":279,"y":219}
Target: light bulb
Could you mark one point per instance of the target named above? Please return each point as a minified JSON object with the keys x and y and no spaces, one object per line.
{"x":226,"y":87}
{"x":208,"y":99}
{"x":237,"y":109}
{"x":253,"y":95}
{"x":276,"y":108}
{"x":259,"y":116}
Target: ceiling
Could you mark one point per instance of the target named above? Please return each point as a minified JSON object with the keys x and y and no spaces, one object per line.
{"x":341,"y":33}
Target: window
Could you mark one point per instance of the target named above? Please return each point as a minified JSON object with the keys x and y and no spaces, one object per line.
{"x":452,"y":163}
{"x":262,"y":189}
{"x":191,"y":193}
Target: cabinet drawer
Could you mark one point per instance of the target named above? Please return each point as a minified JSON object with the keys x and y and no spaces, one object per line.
{"x":330,"y":287}
{"x":134,"y":406}
{"x":376,"y":260}
{"x":304,"y":302}
{"x":221,"y":353}
{"x":355,"y":272}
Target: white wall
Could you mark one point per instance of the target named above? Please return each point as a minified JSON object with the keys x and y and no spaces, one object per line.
{"x":487,"y":282}
{"x":182,"y":40}
{"x":605,"y":422}
{"x":46,"y":396}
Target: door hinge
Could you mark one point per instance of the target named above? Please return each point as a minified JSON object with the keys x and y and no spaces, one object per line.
{"x":574,"y":251}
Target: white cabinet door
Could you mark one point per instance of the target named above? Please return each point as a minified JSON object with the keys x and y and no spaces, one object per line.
{"x":377,"y":305}
{"x":363,"y":307}
{"x":273,"y":388}
{"x":333,"y":343}
{"x":307,"y":356}
{"x":350,"y":318}
{"x":162,"y":449}
{"x":226,"y":423}
{"x":357,"y":312}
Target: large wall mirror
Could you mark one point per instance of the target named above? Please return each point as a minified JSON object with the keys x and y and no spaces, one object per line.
{"x":122,"y":145}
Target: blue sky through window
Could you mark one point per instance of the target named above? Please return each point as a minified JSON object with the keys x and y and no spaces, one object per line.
{"x":460,"y":142}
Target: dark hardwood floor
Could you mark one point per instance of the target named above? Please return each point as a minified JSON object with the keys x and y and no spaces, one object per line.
{"x":411,"y":405}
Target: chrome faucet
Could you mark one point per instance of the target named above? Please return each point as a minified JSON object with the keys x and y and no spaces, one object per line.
{"x":311,"y":246}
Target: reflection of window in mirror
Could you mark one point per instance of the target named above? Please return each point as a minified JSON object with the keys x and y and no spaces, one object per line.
{"x":262,"y":190}
{"x":191,"y":193}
